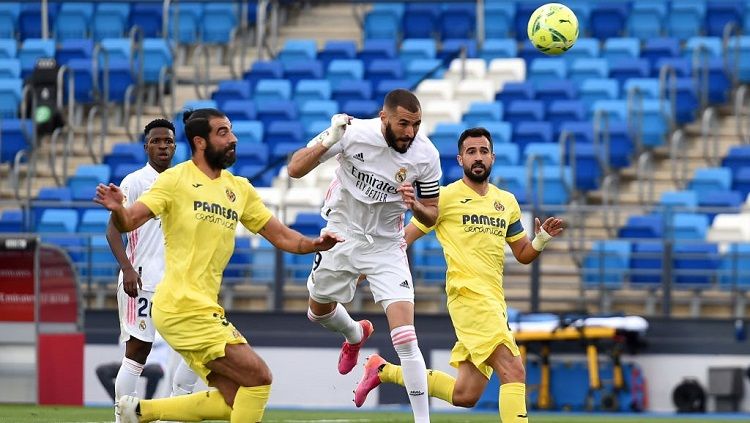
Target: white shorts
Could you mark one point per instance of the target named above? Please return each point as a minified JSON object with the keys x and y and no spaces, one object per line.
{"x":135,"y":315}
{"x":384,"y":262}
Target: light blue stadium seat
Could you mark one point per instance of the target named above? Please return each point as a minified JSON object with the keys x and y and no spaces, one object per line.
{"x":125,"y":153}
{"x":9,"y":19}
{"x":58,"y":221}
{"x":363,"y":109}
{"x":512,"y":179}
{"x":249,"y":154}
{"x":156,"y":56}
{"x":351,"y":90}
{"x":345,"y":70}
{"x":685,"y":19}
{"x":648,"y":226}
{"x":556,"y":184}
{"x":582,"y":69}
{"x":94,"y":221}
{"x":655,"y":126}
{"x":420,"y":69}
{"x":384,"y":69}
{"x":689,"y":226}
{"x":648,"y":88}
{"x":711,"y":179}
{"x":527,"y":132}
{"x":308,"y":224}
{"x":73,"y":21}
{"x":710,"y":46}
{"x":10,"y":97}
{"x":524,"y":110}
{"x":239,"y":109}
{"x":646,"y":18}
{"x":311,"y":89}
{"x":377,"y":49}
{"x":547,"y":68}
{"x":483,"y":111}
{"x":624,"y":69}
{"x":8,"y":48}
{"x":502,"y":15}
{"x":506,"y":154}
{"x":83,"y":184}
{"x":272,"y":89}
{"x":337,"y":49}
{"x":231,"y":90}
{"x":248,"y":131}
{"x":685,"y":201}
{"x":584,"y":48}
{"x":555,"y":89}
{"x":500,"y":48}
{"x":501,"y":132}
{"x":445,"y":136}
{"x":284,"y":132}
{"x":318,"y":110}
{"x":276,"y":110}
{"x":548,"y":153}
{"x":113,"y":49}
{"x":186,"y":18}
{"x":417,"y":48}
{"x":735,"y":267}
{"x":219,"y":22}
{"x":264,"y":69}
{"x":606,"y":264}
{"x":303,"y":69}
{"x":316,"y":127}
{"x":614,"y":109}
{"x":298,"y":50}
{"x":33,"y":49}
{"x":621,"y":48}
{"x":595,"y":89}
{"x":381,"y":25}
{"x":110,"y":20}
{"x":199,"y":104}
{"x":560,"y":111}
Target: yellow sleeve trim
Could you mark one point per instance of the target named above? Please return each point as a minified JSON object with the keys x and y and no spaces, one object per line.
{"x":421,"y":227}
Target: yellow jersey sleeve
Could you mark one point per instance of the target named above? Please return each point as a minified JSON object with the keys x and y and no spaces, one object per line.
{"x":421,"y":227}
{"x":159,"y":198}
{"x":256,"y":214}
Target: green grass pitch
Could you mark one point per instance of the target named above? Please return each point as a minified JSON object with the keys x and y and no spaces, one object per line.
{"x":35,"y":414}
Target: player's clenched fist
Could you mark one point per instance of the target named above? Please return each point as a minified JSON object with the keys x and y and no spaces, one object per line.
{"x":332,"y":135}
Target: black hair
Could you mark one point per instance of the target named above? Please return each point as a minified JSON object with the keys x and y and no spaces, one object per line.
{"x":157,"y":123}
{"x":403,"y":98}
{"x":197,"y":123}
{"x":474,"y":132}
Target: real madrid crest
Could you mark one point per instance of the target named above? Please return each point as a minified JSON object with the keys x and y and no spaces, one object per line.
{"x":142,"y":325}
{"x":401,"y":175}
{"x":230,"y":195}
{"x":499,"y":207}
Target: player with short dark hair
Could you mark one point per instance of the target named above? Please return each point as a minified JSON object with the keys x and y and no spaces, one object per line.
{"x":386,"y":167}
{"x":200,"y":205}
{"x":475,"y":222}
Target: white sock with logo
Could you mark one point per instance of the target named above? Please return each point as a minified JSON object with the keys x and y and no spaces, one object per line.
{"x":339,"y":321}
{"x":414,"y":370}
{"x":127,"y":378}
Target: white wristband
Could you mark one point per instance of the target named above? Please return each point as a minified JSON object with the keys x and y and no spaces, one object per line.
{"x":540,"y":240}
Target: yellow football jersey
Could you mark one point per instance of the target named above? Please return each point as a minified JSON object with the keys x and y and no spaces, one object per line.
{"x":473,"y":231}
{"x":199,"y":218}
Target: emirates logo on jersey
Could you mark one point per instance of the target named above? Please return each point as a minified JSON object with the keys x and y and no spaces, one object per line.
{"x":499,"y":207}
{"x":230,"y":195}
{"x":401,"y":175}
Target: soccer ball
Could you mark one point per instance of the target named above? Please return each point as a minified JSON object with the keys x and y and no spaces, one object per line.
{"x":553,"y":28}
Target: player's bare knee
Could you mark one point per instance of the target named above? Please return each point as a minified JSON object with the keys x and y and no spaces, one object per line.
{"x":464,"y":399}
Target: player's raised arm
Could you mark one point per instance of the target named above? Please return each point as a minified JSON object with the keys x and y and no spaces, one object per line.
{"x":291,"y":241}
{"x":526,"y":250}
{"x":124,"y":219}
{"x":308,"y":158}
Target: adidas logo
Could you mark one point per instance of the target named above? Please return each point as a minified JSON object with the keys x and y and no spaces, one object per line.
{"x":404,"y":284}
{"x":360,"y":157}
{"x":416,"y":393}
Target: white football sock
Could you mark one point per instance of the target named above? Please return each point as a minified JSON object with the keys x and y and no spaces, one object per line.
{"x":127,"y":378}
{"x":184,"y":380}
{"x":414,"y":370}
{"x":339,"y":321}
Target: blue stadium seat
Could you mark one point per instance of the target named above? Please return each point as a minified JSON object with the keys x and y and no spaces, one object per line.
{"x":646,"y":264}
{"x":547,"y":68}
{"x":231,"y":90}
{"x":113,"y":49}
{"x":384,"y":69}
{"x":502,"y":48}
{"x":483,"y":111}
{"x":337,"y":49}
{"x":512,"y":179}
{"x":587,"y":160}
{"x":721,"y":13}
{"x":120,"y":79}
{"x":248,"y":131}
{"x":11,"y":220}
{"x":251,"y":154}
{"x":363,"y":109}
{"x":445,"y":136}
{"x":282,"y":151}
{"x":147,"y":17}
{"x":125,"y":153}
{"x":506,"y":154}
{"x":74,"y":49}
{"x":309,"y":224}
{"x":419,"y":69}
{"x":157,"y":55}
{"x":648,"y":226}
{"x":742,"y":43}
{"x":239,"y":109}
{"x":721,"y":202}
{"x":521,"y":20}
{"x":417,"y":48}
{"x":30,"y":19}
{"x":645,"y":19}
{"x":710,"y":46}
{"x":351,"y":90}
{"x":381,"y":25}
{"x":317,"y":110}
{"x":377,"y":49}
{"x":583,"y":69}
{"x":582,"y":131}
{"x":682,"y":66}
{"x":110,"y":20}
{"x":238,"y":268}
{"x":311,"y":89}
{"x":621,"y":49}
{"x":719,"y":84}
{"x":58,"y":221}
{"x":657,"y":48}
{"x":258,"y":175}
{"x":502,"y":15}
{"x":513,"y":91}
{"x":741,"y":181}
{"x":303,"y":69}
{"x":186,"y":18}
{"x":457,"y":21}
{"x":264,"y":69}
{"x":526,"y":132}
{"x":10,"y":97}
{"x":430,"y":260}
{"x":556,"y":182}
{"x":686,"y":102}
{"x":73,"y":20}
{"x":284,"y":132}
{"x":648,"y":88}
{"x":219,"y":22}
{"x":94,"y":221}
{"x":452,"y":49}
{"x":684,"y":201}
{"x":655,"y":127}
{"x":275,"y":110}
{"x":9,"y":19}
{"x":420,"y":20}
{"x":33,"y":49}
{"x":386,"y":86}
{"x":623,"y":69}
{"x":606,"y":264}
{"x":83,"y":184}
{"x":608,"y":20}
{"x":295,"y":50}
{"x":595,"y":89}
{"x":737,"y":157}
{"x":8,"y":48}
{"x":584,"y":48}
{"x":340,"y":71}
{"x":560,"y":111}
{"x":685,"y":19}
{"x":49,"y":198}
{"x":555,"y":89}
{"x":711,"y":179}
{"x":614,"y":109}
{"x":263,"y":261}
{"x":695,"y":264}
{"x":271,"y":90}
{"x":524,"y":110}
{"x":548,"y":153}
{"x":689,"y":226}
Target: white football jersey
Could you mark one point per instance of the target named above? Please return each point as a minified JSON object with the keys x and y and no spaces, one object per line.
{"x":145,"y":245}
{"x":362,"y":197}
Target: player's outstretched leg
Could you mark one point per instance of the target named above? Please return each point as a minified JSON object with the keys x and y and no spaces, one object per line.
{"x":350,"y":352}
